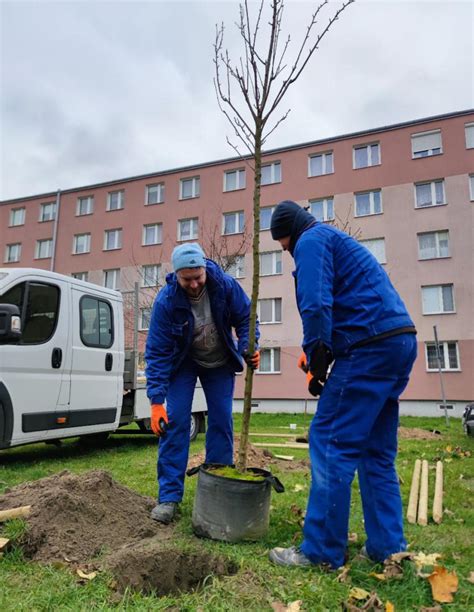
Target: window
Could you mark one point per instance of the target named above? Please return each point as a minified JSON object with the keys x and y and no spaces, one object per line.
{"x":17,"y":216}
{"x":471,"y":187}
{"x":85,"y":206}
{"x":112,"y":279}
{"x":321,"y":164}
{"x":426,"y":144}
{"x":266,"y":217}
{"x":234,"y":266}
{"x":188,"y":229}
{"x":448,"y":406}
{"x":44,"y":249}
{"x":437,"y":299}
{"x":151,"y":275}
{"x":145,"y":316}
{"x":433,"y":245}
{"x":113,"y":239}
{"x":97,"y":326}
{"x":13,"y":252}
{"x":152,"y":234}
{"x":270,"y":263}
{"x":189,"y":188}
{"x":233,"y":223}
{"x":82,"y":276}
{"x":115,"y":200}
{"x":269,"y":310}
{"x":368,"y":203}
{"x":377,"y":247}
{"x":48,"y":211}
{"x":366,"y":155}
{"x":39,"y":305}
{"x":322,"y":210}
{"x":469,"y":132}
{"x":155,"y":194}
{"x":448,"y":353}
{"x":271,"y":173}
{"x":430,"y":194}
{"x":82,"y":243}
{"x":234,"y":179}
{"x":269,"y":361}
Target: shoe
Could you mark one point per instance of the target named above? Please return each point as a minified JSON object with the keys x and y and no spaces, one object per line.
{"x":291,"y":556}
{"x":164,"y":513}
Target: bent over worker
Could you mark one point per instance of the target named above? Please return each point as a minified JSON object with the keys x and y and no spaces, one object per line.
{"x":351,"y":313}
{"x":190,"y":337}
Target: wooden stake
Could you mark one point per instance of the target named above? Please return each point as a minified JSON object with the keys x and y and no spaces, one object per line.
{"x":3,"y":544}
{"x":284,"y":457}
{"x":438,"y":494}
{"x":21,"y":512}
{"x":415,"y":487}
{"x":423,"y":503}
{"x":282,"y":445}
{"x":272,"y":435}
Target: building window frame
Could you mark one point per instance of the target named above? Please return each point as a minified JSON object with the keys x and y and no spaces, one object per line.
{"x":471,"y":187}
{"x":373,"y":156}
{"x":373,"y":204}
{"x":77,"y":242}
{"x":237,"y":268}
{"x":238,"y":175}
{"x":44,"y":248}
{"x":274,"y":173}
{"x":275,"y":308}
{"x":17,"y":212}
{"x":114,"y":275}
{"x":445,"y":356}
{"x":274,"y":360}
{"x":440,"y":299}
{"x":193,"y":223}
{"x":372,"y":241}
{"x":151,"y":275}
{"x":438,"y":247}
{"x":12,"y":252}
{"x":429,"y":151}
{"x":145,"y":318}
{"x":434,"y":194}
{"x":84,"y":206}
{"x":115,"y":200}
{"x":82,"y":276}
{"x":327,"y":208}
{"x":113,"y":239}
{"x":152,"y":234}
{"x":159,"y":189}
{"x":326,"y":166}
{"x":276,"y":263}
{"x":47,"y":212}
{"x":266,"y":209}
{"x":195,"y":182}
{"x":237,"y":218}
{"x":469,"y":135}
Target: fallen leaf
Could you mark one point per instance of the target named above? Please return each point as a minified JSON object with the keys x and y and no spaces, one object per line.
{"x":378,"y":576}
{"x":448,"y":512}
{"x":389,"y":607}
{"x":449,"y":449}
{"x":443,"y":584}
{"x":432,"y":609}
{"x":296,"y":510}
{"x":344,"y":574}
{"x":421,"y":560}
{"x":353,"y":537}
{"x":359,"y":594}
{"x":85,"y":576}
{"x":297,"y":488}
{"x":373,"y":604}
{"x":397,"y":557}
{"x":470,"y":578}
{"x":393,"y":570}
{"x":294,"y":606}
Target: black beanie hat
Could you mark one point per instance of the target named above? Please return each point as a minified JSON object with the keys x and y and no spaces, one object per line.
{"x":290,"y":219}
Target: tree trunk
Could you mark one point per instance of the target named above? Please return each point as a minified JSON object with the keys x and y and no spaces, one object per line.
{"x":244,"y":436}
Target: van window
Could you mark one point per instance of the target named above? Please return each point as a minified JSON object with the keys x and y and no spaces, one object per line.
{"x":96,"y":322}
{"x":39,"y":307}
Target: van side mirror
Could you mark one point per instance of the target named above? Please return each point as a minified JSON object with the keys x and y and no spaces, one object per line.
{"x":10,"y":324}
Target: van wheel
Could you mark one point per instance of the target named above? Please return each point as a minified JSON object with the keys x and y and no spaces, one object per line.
{"x":95,"y":439}
{"x":195,"y":426}
{"x":144,"y":426}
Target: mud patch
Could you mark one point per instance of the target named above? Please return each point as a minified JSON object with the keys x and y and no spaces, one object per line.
{"x":415,"y":433}
{"x":150,"y":568}
{"x":78,"y":517}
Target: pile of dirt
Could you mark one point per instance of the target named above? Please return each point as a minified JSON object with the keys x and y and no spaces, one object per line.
{"x":149,"y":567}
{"x":415,"y":433}
{"x":77,"y":517}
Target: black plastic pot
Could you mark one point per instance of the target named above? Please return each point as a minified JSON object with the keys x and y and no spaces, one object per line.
{"x":232,"y":510}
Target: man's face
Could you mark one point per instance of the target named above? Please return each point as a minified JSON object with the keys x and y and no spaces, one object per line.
{"x":285,"y":242}
{"x":192,"y":280}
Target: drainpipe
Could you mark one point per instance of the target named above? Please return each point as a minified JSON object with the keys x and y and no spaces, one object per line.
{"x":55,"y":230}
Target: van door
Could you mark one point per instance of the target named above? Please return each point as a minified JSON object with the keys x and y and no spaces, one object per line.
{"x":97,"y":362}
{"x":35,"y":371}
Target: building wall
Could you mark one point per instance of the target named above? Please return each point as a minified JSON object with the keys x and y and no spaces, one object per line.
{"x":398,"y":224}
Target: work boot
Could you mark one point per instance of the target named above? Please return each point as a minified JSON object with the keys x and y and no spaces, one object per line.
{"x":164,"y":513}
{"x":291,"y":556}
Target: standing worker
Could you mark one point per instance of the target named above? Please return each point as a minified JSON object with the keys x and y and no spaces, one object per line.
{"x":351,"y":313}
{"x":190,"y":336}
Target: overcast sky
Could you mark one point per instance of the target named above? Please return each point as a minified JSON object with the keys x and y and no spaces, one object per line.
{"x":93,"y":91}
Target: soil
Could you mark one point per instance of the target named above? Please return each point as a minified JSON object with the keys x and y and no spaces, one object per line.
{"x":415,"y":433}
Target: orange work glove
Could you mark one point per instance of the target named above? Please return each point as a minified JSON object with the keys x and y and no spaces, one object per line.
{"x":302,"y":363}
{"x":314,"y":386}
{"x":253,"y":361}
{"x":159,"y":419}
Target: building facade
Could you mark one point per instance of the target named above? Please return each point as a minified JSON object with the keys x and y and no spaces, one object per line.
{"x":406,"y":191}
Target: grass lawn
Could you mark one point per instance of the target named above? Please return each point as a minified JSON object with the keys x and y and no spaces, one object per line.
{"x":132,"y":460}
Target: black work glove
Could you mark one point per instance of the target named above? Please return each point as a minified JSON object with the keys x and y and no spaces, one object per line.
{"x":315,"y":387}
{"x":321,"y":359}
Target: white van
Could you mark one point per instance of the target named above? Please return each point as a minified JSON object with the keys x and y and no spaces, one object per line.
{"x":64,"y":370}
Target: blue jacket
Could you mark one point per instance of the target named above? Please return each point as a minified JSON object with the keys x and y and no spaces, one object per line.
{"x":344,"y":295}
{"x":172,"y":325}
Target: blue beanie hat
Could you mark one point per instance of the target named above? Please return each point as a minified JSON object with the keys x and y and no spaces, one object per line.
{"x":290,"y":219}
{"x":188,"y":256}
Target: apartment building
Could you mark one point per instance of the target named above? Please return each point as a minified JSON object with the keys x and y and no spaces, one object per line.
{"x":406,"y":191}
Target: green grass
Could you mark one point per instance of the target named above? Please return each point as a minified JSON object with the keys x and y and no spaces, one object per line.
{"x":132,"y":461}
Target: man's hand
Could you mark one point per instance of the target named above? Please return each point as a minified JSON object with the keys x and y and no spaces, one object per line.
{"x":321,"y":359}
{"x":253,"y":361}
{"x":314,"y":386}
{"x":159,"y":419}
{"x":302,"y":363}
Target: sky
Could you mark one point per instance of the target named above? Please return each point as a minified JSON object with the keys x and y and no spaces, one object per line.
{"x":94,"y":91}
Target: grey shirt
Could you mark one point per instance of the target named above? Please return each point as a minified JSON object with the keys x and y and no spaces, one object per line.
{"x":207,"y":349}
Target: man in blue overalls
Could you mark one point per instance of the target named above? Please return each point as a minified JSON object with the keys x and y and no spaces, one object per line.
{"x":351,"y":313}
{"x":190,"y":336}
